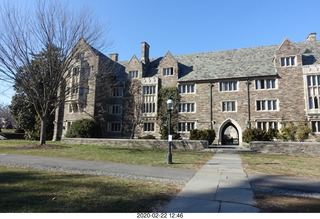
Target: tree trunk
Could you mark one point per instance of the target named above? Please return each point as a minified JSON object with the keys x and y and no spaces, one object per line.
{"x":43,"y":131}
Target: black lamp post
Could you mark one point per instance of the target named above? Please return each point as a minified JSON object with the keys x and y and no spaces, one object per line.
{"x":169,"y":108}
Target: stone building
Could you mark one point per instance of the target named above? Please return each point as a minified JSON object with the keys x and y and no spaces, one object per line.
{"x":227,"y":91}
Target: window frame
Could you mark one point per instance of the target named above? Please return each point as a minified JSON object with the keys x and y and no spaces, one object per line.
{"x":262,"y":84}
{"x":288,"y":61}
{"x":264,"y":105}
{"x":186,"y":126}
{"x":225,"y":106}
{"x":187,"y":88}
{"x":133,"y":74}
{"x":168,"y":71}
{"x":148,"y":127}
{"x":224,"y":86}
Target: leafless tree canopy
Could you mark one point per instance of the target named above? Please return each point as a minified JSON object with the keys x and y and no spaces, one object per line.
{"x":28,"y":32}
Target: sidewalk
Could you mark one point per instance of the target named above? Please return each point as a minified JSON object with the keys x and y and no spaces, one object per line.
{"x":219,"y":186}
{"x":129,"y":171}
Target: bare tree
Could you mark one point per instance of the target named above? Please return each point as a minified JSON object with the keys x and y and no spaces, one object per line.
{"x":26,"y":33}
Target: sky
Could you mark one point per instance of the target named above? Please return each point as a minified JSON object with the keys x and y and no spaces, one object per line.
{"x":194,"y":26}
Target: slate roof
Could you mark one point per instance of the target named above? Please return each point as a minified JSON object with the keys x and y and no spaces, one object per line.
{"x":240,"y":63}
{"x":236,"y":63}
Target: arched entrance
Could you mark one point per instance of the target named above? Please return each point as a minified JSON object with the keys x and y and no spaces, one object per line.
{"x":230,"y":133}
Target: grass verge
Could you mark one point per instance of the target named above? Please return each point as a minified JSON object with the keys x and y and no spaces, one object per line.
{"x":142,"y":156}
{"x":26,"y":190}
{"x":286,"y":165}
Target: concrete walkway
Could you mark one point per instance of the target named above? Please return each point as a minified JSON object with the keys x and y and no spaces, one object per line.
{"x":220,"y":185}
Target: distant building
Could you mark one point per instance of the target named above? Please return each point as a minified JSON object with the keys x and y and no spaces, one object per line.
{"x":227,"y":91}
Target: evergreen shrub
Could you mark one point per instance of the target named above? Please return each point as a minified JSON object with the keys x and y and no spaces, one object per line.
{"x":206,"y":134}
{"x":84,"y":128}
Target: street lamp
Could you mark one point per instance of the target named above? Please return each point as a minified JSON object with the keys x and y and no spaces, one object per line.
{"x":169,"y":108}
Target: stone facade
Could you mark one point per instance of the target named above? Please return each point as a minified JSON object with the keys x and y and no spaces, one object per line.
{"x":227,"y":91}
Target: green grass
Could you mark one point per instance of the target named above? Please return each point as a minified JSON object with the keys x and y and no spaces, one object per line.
{"x":7,"y":130}
{"x":287,"y":165}
{"x":150,"y":157}
{"x":26,"y":190}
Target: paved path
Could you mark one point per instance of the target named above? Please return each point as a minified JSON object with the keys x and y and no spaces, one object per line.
{"x":219,"y":186}
{"x":161,"y":174}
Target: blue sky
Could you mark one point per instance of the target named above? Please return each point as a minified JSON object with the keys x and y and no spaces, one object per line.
{"x":189,"y":26}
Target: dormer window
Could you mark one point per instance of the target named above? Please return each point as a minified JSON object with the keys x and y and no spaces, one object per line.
{"x":133,"y":74}
{"x":288,"y":61}
{"x":167,"y":71}
{"x":80,"y":56}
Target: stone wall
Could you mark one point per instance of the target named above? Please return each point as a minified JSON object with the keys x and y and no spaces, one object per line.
{"x":291,"y":148}
{"x":138,"y":143}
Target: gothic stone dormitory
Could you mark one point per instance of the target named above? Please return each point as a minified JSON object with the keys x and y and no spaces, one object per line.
{"x":228,"y":90}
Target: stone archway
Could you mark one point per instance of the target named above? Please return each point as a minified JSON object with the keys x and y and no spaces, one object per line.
{"x":230,"y":133}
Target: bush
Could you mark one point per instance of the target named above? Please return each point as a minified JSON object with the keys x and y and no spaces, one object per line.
{"x":257,"y":134}
{"x":164,"y":133}
{"x":13,"y":135}
{"x":288,"y":132}
{"x":19,"y":130}
{"x":303,"y":131}
{"x":206,"y":134}
{"x":85,"y":128}
{"x":147,"y":137}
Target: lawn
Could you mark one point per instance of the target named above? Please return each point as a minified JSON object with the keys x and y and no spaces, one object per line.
{"x":27,"y":190}
{"x":142,"y":156}
{"x":287,"y":165}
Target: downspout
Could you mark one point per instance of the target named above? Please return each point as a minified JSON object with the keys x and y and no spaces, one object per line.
{"x":248,"y":82}
{"x":211,"y":116}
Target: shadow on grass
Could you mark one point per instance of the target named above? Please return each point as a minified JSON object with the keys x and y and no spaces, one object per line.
{"x":34,"y":191}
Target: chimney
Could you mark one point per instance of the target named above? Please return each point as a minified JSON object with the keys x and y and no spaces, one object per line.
{"x":311,"y":37}
{"x":145,"y":53}
{"x":114,"y":56}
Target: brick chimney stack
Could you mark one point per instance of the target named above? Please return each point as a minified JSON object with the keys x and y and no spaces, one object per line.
{"x":145,"y":53}
{"x":114,"y":56}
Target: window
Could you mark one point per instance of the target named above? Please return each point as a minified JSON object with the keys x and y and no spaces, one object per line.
{"x":229,"y":106}
{"x":73,"y":108}
{"x":229,"y":86}
{"x":149,"y":90}
{"x":115,"y":127}
{"x":80,"y":56}
{"x":148,"y":107}
{"x":266,"y":125}
{"x":313,"y":82}
{"x":148,"y":127}
{"x":185,"y":126}
{"x":186,"y":107}
{"x":315,"y":126}
{"x":265,"y":84}
{"x":116,"y":110}
{"x":186,"y":88}
{"x":117,"y":92}
{"x":167,"y":71}
{"x":288,"y":61}
{"x":133,"y":74}
{"x":267,"y":105}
